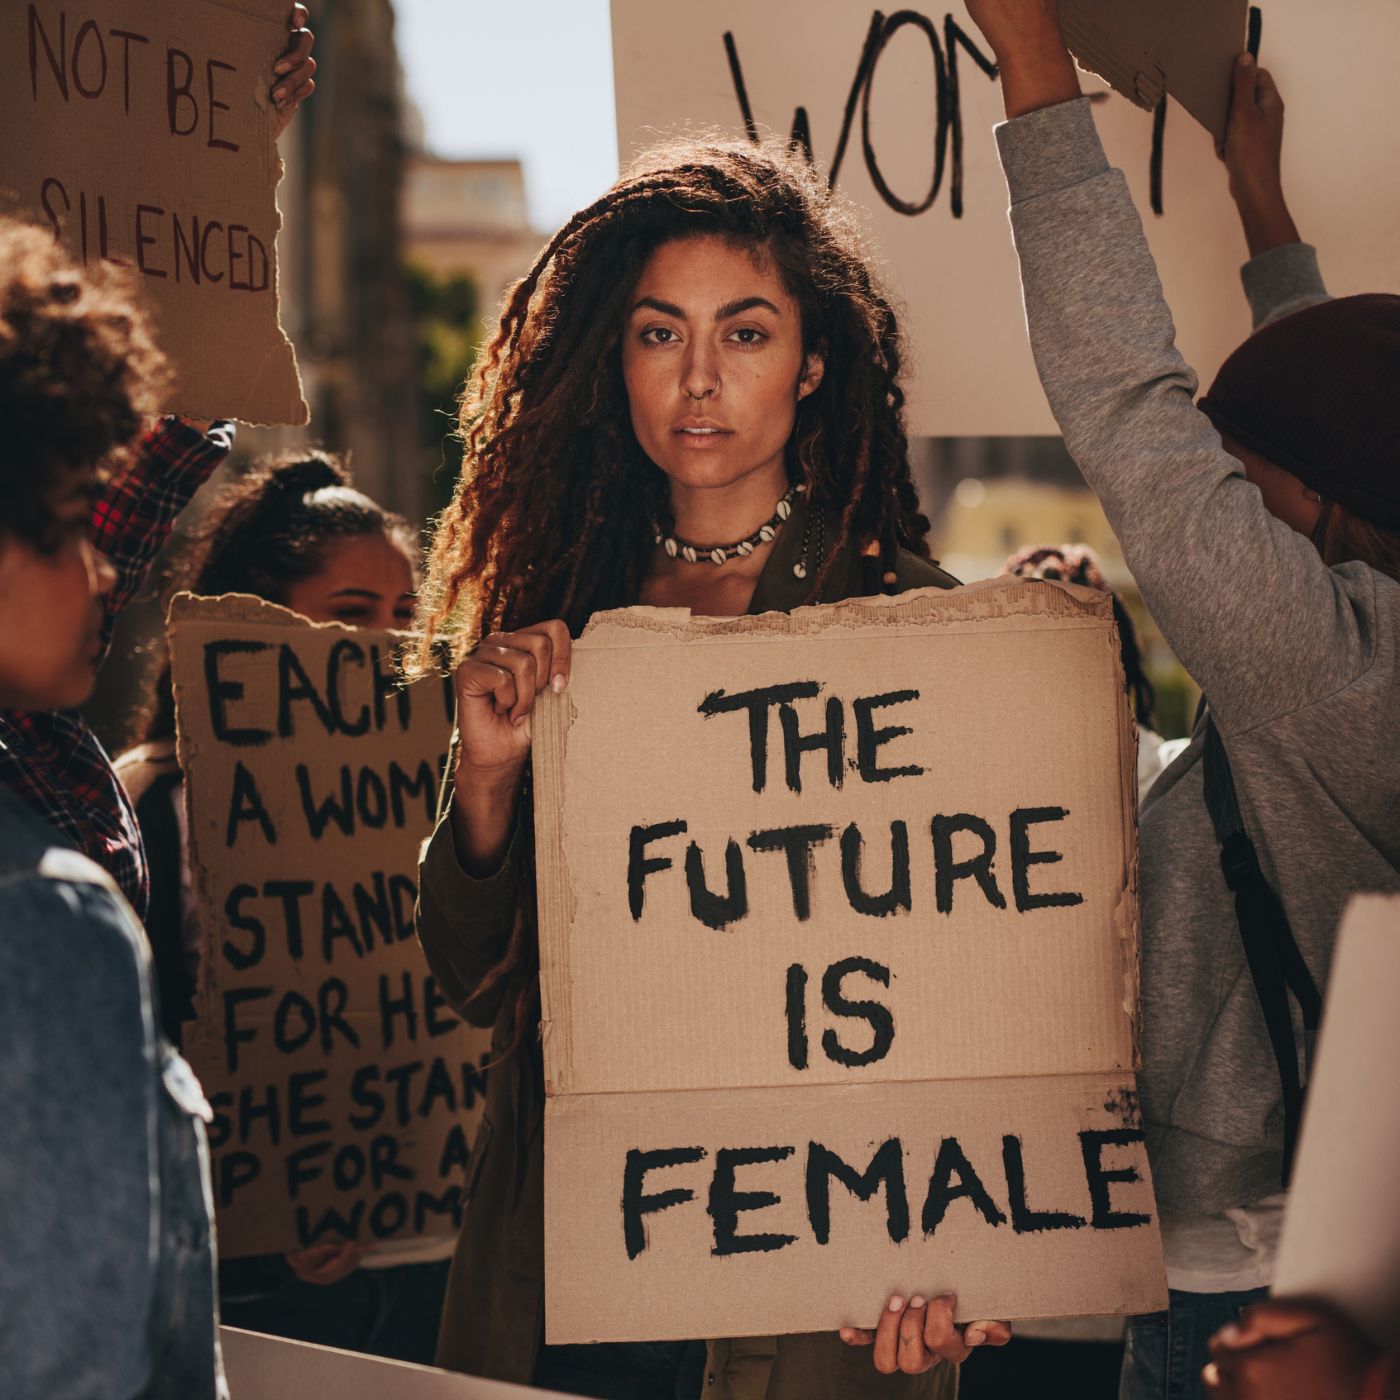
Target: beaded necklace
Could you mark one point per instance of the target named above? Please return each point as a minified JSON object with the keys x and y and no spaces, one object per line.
{"x":678,"y":548}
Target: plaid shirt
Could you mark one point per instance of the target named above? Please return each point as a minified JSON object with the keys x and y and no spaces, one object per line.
{"x":52,"y":761}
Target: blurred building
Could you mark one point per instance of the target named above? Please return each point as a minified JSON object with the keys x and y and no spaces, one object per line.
{"x":469,"y":218}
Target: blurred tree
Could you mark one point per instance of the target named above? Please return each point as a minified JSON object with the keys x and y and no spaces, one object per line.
{"x":448,"y":333}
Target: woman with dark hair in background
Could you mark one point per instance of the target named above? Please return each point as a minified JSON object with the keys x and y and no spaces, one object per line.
{"x":294,"y":531}
{"x":693,"y":400}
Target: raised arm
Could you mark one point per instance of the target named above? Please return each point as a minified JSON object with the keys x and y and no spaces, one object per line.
{"x":1244,"y":600}
{"x":133,"y":515}
{"x":1282,"y":275}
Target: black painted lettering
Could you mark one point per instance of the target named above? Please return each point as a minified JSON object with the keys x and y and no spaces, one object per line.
{"x":223,"y":692}
{"x":727,"y":1202}
{"x":796,"y":1003}
{"x":1100,"y":1178}
{"x":246,"y":805}
{"x":181,"y":110}
{"x":878,"y":1016}
{"x":1022,"y":858}
{"x":640,"y":865}
{"x":797,"y":844}
{"x":234,"y":1034}
{"x":1024,"y":1220}
{"x":757,"y":703}
{"x":241,"y":959}
{"x":369,"y":1103}
{"x":637,"y":1204}
{"x":870,"y":740}
{"x":320,"y":814}
{"x":900,"y":893}
{"x":291,"y":893}
{"x":293,"y":684}
{"x":949,"y":871}
{"x":953,"y":1177}
{"x":886,"y":1169}
{"x":393,"y":1009}
{"x":717,"y":911}
{"x":211,"y":67}
{"x":830,"y":740}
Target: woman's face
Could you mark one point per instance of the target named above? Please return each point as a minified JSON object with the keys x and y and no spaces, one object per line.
{"x":364,"y":581}
{"x":51,"y":613}
{"x":713,"y":362}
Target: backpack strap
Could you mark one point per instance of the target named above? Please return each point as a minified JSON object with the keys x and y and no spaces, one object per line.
{"x":1275,"y":962}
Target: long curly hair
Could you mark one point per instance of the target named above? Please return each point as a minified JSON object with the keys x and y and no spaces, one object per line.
{"x":557,"y":505}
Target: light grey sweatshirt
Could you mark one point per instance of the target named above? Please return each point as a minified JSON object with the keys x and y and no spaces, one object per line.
{"x":1299,"y":661}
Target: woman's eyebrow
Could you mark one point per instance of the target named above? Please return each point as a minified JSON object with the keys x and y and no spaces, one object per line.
{"x":356,"y":593}
{"x":666,"y":308}
{"x":736,"y":308}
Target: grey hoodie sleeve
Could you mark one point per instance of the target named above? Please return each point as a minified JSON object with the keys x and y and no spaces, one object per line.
{"x":1246,"y":603}
{"x":1282,"y":281}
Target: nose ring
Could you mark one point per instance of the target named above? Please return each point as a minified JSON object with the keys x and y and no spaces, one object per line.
{"x":705,"y":394}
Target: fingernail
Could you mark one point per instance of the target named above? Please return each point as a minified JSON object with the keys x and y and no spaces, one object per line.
{"x":284,"y":67}
{"x":519,"y":720}
{"x":896,"y":1304}
{"x":1228,"y":1335}
{"x":974,"y":1338}
{"x":1247,"y":60}
{"x":279,"y":94}
{"x":845,"y":1334}
{"x":951,"y":1299}
{"x":918,"y":1302}
{"x":556,"y":683}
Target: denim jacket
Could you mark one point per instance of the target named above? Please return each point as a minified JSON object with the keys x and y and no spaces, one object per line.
{"x":106,"y":1244}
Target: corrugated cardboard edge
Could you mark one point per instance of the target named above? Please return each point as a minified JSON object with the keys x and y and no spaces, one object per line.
{"x":971,"y":604}
{"x":295,"y":411}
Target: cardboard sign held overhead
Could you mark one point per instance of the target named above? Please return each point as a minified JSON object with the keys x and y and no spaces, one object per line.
{"x":143,"y":135}
{"x":899,"y":106}
{"x":345,"y":1091}
{"x":1341,"y":1236}
{"x":839,"y":968}
{"x":1146,"y":49}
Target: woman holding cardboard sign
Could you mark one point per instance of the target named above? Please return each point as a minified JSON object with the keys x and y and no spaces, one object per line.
{"x":1264,"y":530}
{"x":693,"y":400}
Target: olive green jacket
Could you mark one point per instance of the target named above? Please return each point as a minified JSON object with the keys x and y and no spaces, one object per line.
{"x":493,"y":1318}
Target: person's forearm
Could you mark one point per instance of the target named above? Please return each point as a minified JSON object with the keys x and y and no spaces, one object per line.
{"x":1267,"y":222}
{"x":1035,"y":66}
{"x":483,"y":817}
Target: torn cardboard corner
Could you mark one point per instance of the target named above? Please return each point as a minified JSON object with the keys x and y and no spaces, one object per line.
{"x":1146,"y":49}
{"x":1341,"y":1234}
{"x":150,"y":145}
{"x":345,"y":1091}
{"x":838,"y":935}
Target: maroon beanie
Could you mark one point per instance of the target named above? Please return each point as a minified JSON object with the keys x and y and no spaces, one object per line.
{"x":1318,"y":394}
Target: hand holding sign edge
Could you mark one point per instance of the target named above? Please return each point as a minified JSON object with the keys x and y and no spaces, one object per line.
{"x":496,"y":686}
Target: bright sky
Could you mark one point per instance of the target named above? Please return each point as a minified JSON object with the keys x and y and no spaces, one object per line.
{"x":527,"y":78}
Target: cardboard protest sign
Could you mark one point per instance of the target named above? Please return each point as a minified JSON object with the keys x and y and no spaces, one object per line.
{"x":260,"y":1367}
{"x":1145,"y":50}
{"x":898,"y":109}
{"x":142,"y":133}
{"x":838,"y":942}
{"x":345,"y":1091}
{"x":1341,"y":1235}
